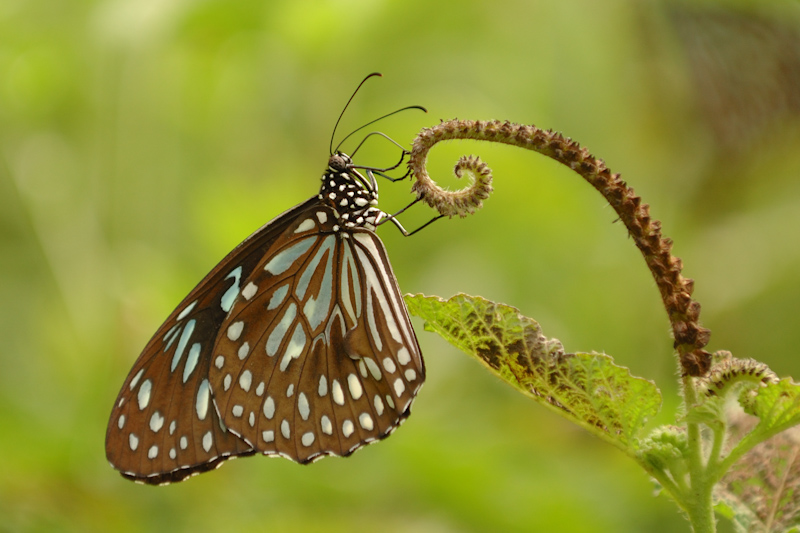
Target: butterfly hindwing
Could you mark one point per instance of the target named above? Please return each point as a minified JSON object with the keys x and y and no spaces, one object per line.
{"x":317,"y":356}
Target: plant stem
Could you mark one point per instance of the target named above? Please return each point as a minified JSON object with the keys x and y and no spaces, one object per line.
{"x":676,"y":291}
{"x":699,"y":503}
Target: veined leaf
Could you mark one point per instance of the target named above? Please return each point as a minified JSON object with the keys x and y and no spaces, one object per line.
{"x":585,"y":387}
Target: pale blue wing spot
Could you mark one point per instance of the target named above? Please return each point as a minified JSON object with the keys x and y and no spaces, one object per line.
{"x":278,"y":297}
{"x":191,"y":361}
{"x":316,"y":309}
{"x":281,"y":262}
{"x":187,"y":310}
{"x":276,"y":337}
{"x":295,"y":347}
{"x":397,"y":306}
{"x":233,"y":291}
{"x":187,"y":333}
{"x":308,"y":273}
{"x":171,"y":335}
{"x":136,"y":378}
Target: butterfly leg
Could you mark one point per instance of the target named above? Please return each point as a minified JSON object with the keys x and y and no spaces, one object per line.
{"x":393,"y":219}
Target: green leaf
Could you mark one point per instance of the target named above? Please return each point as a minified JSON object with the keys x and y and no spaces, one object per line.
{"x":776,"y":404}
{"x":586,"y":388}
{"x":665,"y":449}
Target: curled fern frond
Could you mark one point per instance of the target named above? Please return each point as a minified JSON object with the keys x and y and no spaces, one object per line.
{"x":729,"y":372}
{"x":676,"y":291}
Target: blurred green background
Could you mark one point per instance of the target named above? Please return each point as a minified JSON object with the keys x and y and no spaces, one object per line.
{"x":140,"y":140}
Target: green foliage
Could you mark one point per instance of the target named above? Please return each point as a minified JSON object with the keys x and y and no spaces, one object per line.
{"x":589,"y":389}
{"x":755,"y":479}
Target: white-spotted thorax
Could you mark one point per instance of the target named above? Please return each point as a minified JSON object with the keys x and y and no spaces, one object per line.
{"x":352,"y":196}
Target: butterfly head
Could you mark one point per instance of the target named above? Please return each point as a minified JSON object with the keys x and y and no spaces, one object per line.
{"x":352,"y":196}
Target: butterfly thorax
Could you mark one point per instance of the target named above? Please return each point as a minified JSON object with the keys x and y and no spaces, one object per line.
{"x":352,"y":196}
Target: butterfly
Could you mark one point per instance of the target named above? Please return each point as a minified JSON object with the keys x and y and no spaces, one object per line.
{"x":297,"y":344}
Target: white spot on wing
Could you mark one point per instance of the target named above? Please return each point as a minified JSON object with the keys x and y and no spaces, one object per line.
{"x":307,"y":439}
{"x":373,"y":367}
{"x":303,"y":406}
{"x":245,"y":380}
{"x":348,"y":428}
{"x":285,"y":429}
{"x":235,"y":330}
{"x":365,"y":421}
{"x":268,"y":436}
{"x":355,"y":386}
{"x":152,"y":453}
{"x":322,"y":216}
{"x":208,"y":440}
{"x":203,"y":400}
{"x":143,"y":396}
{"x":269,"y":407}
{"x":249,"y":290}
{"x":327,"y":427}
{"x":399,"y":387}
{"x":338,"y":393}
{"x":322,"y":390}
{"x":156,"y":422}
{"x":244,"y":349}
{"x":306,"y":225}
{"x":133,"y":441}
{"x":403,"y":357}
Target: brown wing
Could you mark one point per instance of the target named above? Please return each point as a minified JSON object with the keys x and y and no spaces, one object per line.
{"x":317,"y":356}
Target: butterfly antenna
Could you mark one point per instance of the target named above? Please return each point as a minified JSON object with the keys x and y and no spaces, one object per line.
{"x":333,"y":134}
{"x":376,"y":120}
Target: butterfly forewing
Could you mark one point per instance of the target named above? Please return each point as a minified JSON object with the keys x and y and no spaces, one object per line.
{"x":164,"y":426}
{"x":318,"y":356}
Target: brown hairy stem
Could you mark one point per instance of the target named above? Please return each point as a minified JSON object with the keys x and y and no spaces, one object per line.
{"x":676,"y":291}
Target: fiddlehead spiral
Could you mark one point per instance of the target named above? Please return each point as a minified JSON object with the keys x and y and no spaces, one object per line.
{"x":676,"y":291}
